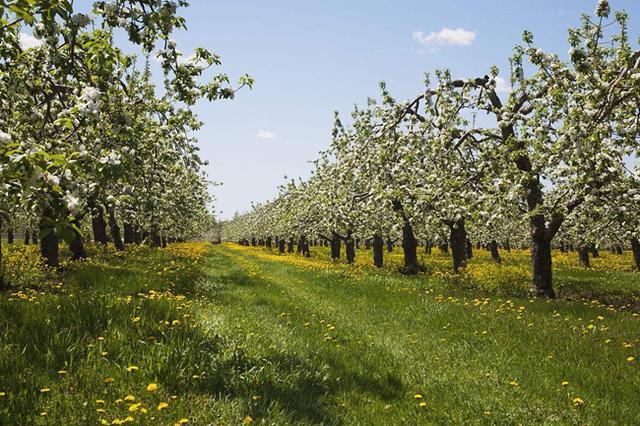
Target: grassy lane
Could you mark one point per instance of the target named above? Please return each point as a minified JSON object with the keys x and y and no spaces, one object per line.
{"x":233,"y":335}
{"x":339,"y":349}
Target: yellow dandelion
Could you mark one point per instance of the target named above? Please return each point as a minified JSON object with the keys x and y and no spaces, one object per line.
{"x":128,"y":419}
{"x":45,"y":390}
{"x":417,"y":396}
{"x":247,"y":420}
{"x":182,"y":421}
{"x":513,"y":383}
{"x":152,"y":387}
{"x":135,"y":319}
{"x":132,"y":368}
{"x":130,"y":398}
{"x":630,"y":359}
{"x":108,"y":380}
{"x":3,"y":393}
{"x":422,"y":404}
{"x":62,"y":371}
{"x":565,"y":383}
{"x":99,"y":401}
{"x":578,"y":401}
{"x":162,"y":406}
{"x":100,"y":410}
{"x":134,"y":407}
{"x":256,"y":397}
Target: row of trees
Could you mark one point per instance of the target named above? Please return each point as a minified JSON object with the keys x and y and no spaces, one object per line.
{"x":86,"y":139}
{"x":551,"y":162}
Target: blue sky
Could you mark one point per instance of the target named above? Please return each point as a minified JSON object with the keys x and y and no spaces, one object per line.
{"x":310,"y":58}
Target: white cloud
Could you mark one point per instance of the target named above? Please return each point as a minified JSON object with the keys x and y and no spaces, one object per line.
{"x":28,"y":41}
{"x":502,"y":85}
{"x":445,"y":37}
{"x":265,"y":134}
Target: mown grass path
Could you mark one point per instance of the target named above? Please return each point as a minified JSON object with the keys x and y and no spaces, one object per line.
{"x":328,"y":347}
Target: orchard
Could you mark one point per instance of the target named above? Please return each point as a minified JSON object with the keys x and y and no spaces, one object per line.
{"x":468,"y":254}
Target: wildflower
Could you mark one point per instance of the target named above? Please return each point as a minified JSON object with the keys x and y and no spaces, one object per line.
{"x":134,"y":407}
{"x":513,"y":383}
{"x":130,"y":398}
{"x":62,"y":372}
{"x":3,"y":393}
{"x":132,"y":368}
{"x":247,"y":420}
{"x":100,"y":410}
{"x":45,"y":390}
{"x":578,"y":401}
{"x":422,"y":404}
{"x":100,"y":401}
{"x":135,"y":319}
{"x":417,"y":396}
{"x":182,"y":421}
{"x":128,"y":419}
{"x":565,"y":383}
{"x":152,"y":387}
{"x":256,"y":397}
{"x":630,"y":359}
{"x":162,"y":406}
{"x":103,"y":353}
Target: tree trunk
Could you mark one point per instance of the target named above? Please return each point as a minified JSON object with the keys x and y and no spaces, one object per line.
{"x":129,"y":234}
{"x":2,"y":283}
{"x":290,"y":245}
{"x":389,"y":246}
{"x":34,"y":237}
{"x":469,"y":249}
{"x":49,"y":248}
{"x":635,"y":248}
{"x":350,"y":248}
{"x":115,"y":231}
{"x":163,"y":241}
{"x":410,"y":249}
{"x":281,"y":245}
{"x":269,"y":242}
{"x":378,"y":251}
{"x":458,"y":242}
{"x":99,"y":226}
{"x":76,"y":246}
{"x":27,"y":236}
{"x":541,"y":267}
{"x":155,"y":236}
{"x":428,"y":246}
{"x":335,"y":246}
{"x":444,"y":248}
{"x":495,"y":255}
{"x":583,"y":255}
{"x":619,"y":249}
{"x":10,"y":236}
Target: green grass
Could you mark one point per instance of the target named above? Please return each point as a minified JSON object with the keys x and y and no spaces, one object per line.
{"x":285,"y":340}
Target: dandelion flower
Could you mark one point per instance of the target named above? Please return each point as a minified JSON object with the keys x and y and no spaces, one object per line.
{"x":130,"y":398}
{"x":100,"y":401}
{"x":45,"y":390}
{"x":247,"y":420}
{"x":422,"y":404}
{"x":62,"y":371}
{"x":132,"y":368}
{"x":565,"y":383}
{"x":417,"y":396}
{"x":182,"y":421}
{"x":108,"y":380}
{"x":630,"y":359}
{"x":134,"y":407}
{"x":578,"y":401}
{"x":152,"y":387}
{"x":162,"y":406}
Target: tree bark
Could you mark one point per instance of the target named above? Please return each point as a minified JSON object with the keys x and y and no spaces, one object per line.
{"x":2,"y":283}
{"x":495,"y":255}
{"x":542,"y":268}
{"x":583,"y":255}
{"x":115,"y":231}
{"x":469,"y":249}
{"x":410,"y":249}
{"x":27,"y":236}
{"x":350,"y":248}
{"x":335,"y":246}
{"x":378,"y":251}
{"x":281,"y":245}
{"x":635,"y":248}
{"x":129,"y":234}
{"x":49,"y":248}
{"x":76,"y":246}
{"x":389,"y":246}
{"x":99,"y":226}
{"x":34,"y":237}
{"x":290,"y":245}
{"x":155,"y":236}
{"x":458,"y":242}
{"x":10,"y":236}
{"x":269,"y":243}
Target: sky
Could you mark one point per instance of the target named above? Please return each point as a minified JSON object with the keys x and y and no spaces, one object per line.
{"x":310,"y":58}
